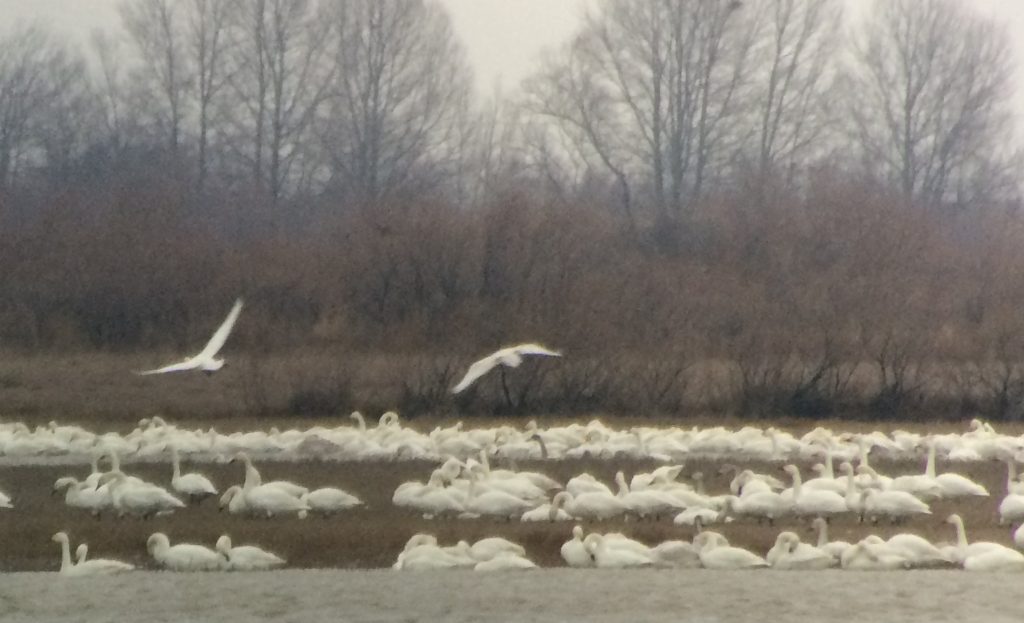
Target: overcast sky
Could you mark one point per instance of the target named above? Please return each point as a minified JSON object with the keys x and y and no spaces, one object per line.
{"x":503,"y":37}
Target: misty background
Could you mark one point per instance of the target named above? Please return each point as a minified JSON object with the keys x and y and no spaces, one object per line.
{"x":805,"y":207}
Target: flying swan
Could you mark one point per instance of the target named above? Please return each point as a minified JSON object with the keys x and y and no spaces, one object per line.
{"x":207,"y":359}
{"x":510,"y":357}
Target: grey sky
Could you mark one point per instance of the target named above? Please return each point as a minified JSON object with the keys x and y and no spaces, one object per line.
{"x":503,"y":37}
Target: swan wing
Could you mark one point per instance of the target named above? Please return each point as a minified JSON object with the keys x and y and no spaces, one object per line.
{"x":189,"y":364}
{"x":536,"y":349}
{"x":475,"y":371}
{"x":221,"y":335}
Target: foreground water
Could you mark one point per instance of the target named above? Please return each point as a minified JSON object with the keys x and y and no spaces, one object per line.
{"x":697,"y":596}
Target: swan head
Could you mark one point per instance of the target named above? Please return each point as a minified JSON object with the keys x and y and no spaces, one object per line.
{"x":818,"y":468}
{"x":577,"y":532}
{"x":846,"y":467}
{"x":954,"y":519}
{"x":223,"y":544}
{"x":82,"y":552}
{"x":157,"y":540}
{"x":819,"y":523}
{"x":593,"y":542}
{"x":790,"y":469}
{"x":419,"y":539}
{"x":61,"y":483}
{"x":60,"y":537}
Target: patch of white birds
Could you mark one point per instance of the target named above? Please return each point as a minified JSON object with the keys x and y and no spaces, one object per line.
{"x":465,"y":486}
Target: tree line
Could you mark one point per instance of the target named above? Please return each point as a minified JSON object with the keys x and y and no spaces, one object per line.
{"x":816,"y":212}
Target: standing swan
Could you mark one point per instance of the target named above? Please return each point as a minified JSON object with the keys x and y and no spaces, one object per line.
{"x":247,"y":557}
{"x":98,"y":566}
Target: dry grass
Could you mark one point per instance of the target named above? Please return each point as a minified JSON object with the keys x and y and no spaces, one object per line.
{"x":100,"y":389}
{"x":373,"y":537}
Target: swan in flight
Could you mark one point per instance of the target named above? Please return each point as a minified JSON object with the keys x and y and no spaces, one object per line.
{"x":510,"y":357}
{"x":97,"y":566}
{"x":184,"y":556}
{"x":247,"y":557}
{"x":206,"y":360}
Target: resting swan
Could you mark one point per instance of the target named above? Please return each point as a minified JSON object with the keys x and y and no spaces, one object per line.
{"x":606,"y":557}
{"x":505,"y":562}
{"x":246,"y":557}
{"x":963,"y":549}
{"x":790,"y":553}
{"x":98,"y":566}
{"x":574,"y":552}
{"x":184,"y":556}
{"x":194,"y":486}
{"x":716,"y":555}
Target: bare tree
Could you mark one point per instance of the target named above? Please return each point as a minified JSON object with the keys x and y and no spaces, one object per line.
{"x":652,"y":89}
{"x":69,"y":120}
{"x":27,"y":56}
{"x":929,"y":89}
{"x":156,"y":29}
{"x":279,"y":80}
{"x":796,"y":44}
{"x":399,"y":98}
{"x":208,"y":21}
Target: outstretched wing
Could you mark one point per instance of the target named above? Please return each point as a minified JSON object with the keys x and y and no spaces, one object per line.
{"x":475,"y":371}
{"x":536,"y":349}
{"x":217,"y":341}
{"x":188,"y":364}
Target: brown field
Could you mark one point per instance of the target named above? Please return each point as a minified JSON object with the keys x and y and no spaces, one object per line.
{"x":373,"y":537}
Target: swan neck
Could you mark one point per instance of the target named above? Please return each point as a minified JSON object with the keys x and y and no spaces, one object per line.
{"x":1011,"y":474}
{"x":797,"y":484}
{"x":822,"y":534}
{"x":176,"y":464}
{"x":829,"y":472}
{"x":65,"y":555}
{"x":961,"y":533}
{"x":929,"y":468}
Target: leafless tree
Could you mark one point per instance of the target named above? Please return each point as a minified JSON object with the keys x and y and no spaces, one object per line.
{"x":156,"y":29}
{"x":399,"y":98}
{"x":208,"y":21}
{"x":28,"y":55}
{"x":279,"y":79}
{"x":652,"y":91}
{"x":69,"y":120}
{"x":796,"y":44}
{"x":929,"y":89}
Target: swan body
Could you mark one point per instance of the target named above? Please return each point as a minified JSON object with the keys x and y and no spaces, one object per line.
{"x":893,"y":504}
{"x":486,"y":549}
{"x":790,"y":553}
{"x":591,"y":505}
{"x":716,"y":555}
{"x":606,"y":557}
{"x":819,"y":502}
{"x":194,"y":486}
{"x":140,"y":499}
{"x":1004,"y":559}
{"x":505,"y":562}
{"x":184,"y":556}
{"x":329,"y":500}
{"x":574,"y":552}
{"x":246,"y":557}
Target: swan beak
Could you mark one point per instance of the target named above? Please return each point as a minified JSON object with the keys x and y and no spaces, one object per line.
{"x":53,"y":492}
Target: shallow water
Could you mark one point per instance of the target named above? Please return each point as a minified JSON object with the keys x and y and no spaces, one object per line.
{"x":693,"y":596}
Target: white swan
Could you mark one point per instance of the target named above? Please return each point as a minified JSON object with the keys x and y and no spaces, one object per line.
{"x":194,"y":486}
{"x":1005,"y":559}
{"x":511,"y":357}
{"x":206,"y":360}
{"x":833,"y":548}
{"x":505,"y":562}
{"x":952,"y":485}
{"x":892,"y":504}
{"x":818,"y":503}
{"x":234,"y":500}
{"x":790,"y":553}
{"x":488,"y":548}
{"x":98,"y":566}
{"x":552,"y":511}
{"x":141,"y":500}
{"x":184,"y":556}
{"x":917,"y":550}
{"x":330,"y":500}
{"x":82,"y":495}
{"x":678,"y":554}
{"x":574,"y":552}
{"x":964,"y":550}
{"x":716,"y":555}
{"x":246,"y":557}
{"x":606,"y":557}
{"x":591,"y":505}
{"x":872,"y":556}
{"x":1011,"y":508}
